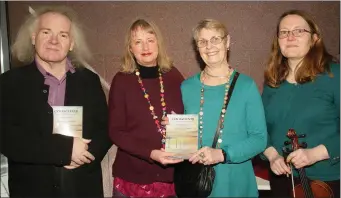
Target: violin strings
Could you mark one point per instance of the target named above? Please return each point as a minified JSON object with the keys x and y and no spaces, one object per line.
{"x":305,"y":183}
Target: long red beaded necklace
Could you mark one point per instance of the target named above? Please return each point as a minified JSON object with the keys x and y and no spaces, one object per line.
{"x":161,"y":128}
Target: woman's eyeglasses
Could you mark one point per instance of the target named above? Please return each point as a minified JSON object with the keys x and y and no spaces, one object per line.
{"x":296,"y":33}
{"x":214,"y":41}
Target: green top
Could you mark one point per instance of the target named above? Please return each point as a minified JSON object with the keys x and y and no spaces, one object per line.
{"x":244,"y":133}
{"x":313,"y":109}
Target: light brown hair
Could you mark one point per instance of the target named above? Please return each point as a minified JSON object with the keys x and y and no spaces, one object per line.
{"x":128,"y":59}
{"x":316,"y":61}
{"x":210,"y":24}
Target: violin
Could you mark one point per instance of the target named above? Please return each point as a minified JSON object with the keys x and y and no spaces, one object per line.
{"x":306,"y":188}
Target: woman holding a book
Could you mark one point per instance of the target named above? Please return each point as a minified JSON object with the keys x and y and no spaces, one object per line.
{"x":230,"y":108}
{"x":146,"y":89}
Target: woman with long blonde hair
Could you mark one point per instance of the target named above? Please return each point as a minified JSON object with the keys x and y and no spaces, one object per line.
{"x":146,"y":89}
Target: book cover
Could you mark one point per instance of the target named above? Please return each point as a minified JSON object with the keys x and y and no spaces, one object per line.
{"x":68,"y":120}
{"x":182,"y":135}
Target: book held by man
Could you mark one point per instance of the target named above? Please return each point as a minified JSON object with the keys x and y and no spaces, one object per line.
{"x":182,"y":135}
{"x":68,"y":120}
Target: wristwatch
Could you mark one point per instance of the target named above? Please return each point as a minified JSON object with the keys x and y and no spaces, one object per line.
{"x":224,"y":154}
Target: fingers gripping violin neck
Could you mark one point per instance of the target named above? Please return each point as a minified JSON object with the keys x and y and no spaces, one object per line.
{"x":305,"y":188}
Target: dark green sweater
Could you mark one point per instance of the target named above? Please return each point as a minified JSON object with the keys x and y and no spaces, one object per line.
{"x":313,"y":109}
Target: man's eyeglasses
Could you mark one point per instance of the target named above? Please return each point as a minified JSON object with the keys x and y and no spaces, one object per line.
{"x":297,"y":33}
{"x":214,"y":40}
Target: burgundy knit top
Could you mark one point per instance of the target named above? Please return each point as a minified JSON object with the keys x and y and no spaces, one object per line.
{"x":131,"y":125}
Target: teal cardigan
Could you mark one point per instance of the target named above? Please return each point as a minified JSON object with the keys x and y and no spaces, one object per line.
{"x":313,"y":109}
{"x":244,"y":134}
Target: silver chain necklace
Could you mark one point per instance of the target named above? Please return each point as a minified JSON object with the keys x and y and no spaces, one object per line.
{"x":210,"y":75}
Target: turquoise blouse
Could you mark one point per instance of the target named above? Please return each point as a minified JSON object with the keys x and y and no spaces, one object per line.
{"x":244,"y":133}
{"x":312,"y":109}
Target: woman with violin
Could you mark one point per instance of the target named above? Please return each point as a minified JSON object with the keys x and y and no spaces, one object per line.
{"x":302,"y":103}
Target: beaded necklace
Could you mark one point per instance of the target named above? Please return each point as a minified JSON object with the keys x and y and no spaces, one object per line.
{"x":222,"y":112}
{"x":160,"y":128}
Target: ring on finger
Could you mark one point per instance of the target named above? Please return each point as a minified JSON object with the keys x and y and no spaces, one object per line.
{"x":202,"y":155}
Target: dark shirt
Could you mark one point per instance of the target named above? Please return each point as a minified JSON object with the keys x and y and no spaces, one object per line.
{"x":36,"y":156}
{"x":132,"y":128}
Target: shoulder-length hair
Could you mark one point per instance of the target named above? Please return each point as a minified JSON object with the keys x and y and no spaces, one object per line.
{"x":24,"y":51}
{"x":315,"y":62}
{"x":128,"y":59}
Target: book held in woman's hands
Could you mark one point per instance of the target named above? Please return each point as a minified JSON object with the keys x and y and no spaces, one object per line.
{"x":68,"y":120}
{"x":182,"y":135}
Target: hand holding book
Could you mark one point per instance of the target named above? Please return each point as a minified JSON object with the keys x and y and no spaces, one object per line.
{"x":181,"y":135}
{"x":164,"y":157}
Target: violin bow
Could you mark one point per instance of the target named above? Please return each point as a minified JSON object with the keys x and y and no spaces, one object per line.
{"x":292,"y":181}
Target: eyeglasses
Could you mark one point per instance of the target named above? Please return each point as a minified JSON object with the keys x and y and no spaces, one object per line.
{"x":297,"y":33}
{"x":214,"y":40}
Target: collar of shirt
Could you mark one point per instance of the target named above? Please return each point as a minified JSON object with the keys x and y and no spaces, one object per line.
{"x":69,"y":67}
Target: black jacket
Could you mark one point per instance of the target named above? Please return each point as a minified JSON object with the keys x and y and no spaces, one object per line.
{"x":36,"y":156}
